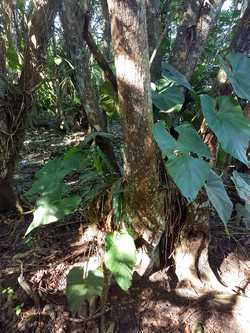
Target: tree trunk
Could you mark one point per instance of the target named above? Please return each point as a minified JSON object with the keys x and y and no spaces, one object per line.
{"x":154,"y":31}
{"x":198,"y":19}
{"x":143,"y":201}
{"x":106,"y":39}
{"x":72,"y":15}
{"x":36,"y":43}
{"x":16,"y":102}
{"x":2,"y":53}
{"x":196,"y":262}
{"x":241,"y":39}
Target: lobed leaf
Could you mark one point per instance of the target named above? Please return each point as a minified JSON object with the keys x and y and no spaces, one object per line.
{"x":218,"y":196}
{"x":169,"y":100}
{"x":227,"y":121}
{"x":237,"y":68}
{"x":79,"y":289}
{"x":120,"y":257}
{"x":189,"y":174}
{"x":175,"y":76}
{"x":48,"y":211}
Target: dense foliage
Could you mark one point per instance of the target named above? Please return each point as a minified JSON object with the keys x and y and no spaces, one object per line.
{"x":66,"y":77}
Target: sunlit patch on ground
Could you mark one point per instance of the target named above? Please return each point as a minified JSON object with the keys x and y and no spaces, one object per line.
{"x":149,"y":306}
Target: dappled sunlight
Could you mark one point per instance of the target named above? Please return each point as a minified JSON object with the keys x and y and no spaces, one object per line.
{"x":154,"y":305}
{"x":124,"y":166}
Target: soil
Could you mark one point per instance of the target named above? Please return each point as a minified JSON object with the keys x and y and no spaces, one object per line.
{"x":42,"y":261}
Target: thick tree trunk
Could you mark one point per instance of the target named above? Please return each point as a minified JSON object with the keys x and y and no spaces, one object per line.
{"x":15,"y":103}
{"x":196,"y":262}
{"x":198,"y":19}
{"x":142,"y":198}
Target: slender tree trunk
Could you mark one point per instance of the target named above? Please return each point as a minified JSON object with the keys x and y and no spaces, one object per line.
{"x":154,"y":32}
{"x":36,"y":43}
{"x":198,"y":19}
{"x":72,"y":16}
{"x":16,"y":102}
{"x":143,"y":202}
{"x":2,"y":52}
{"x":106,"y":39}
{"x":241,"y":39}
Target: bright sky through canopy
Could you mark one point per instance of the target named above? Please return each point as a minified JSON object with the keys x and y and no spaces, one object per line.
{"x":227,"y":4}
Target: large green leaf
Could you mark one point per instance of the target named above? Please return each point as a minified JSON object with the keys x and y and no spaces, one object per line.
{"x":190,"y":141}
{"x":79,"y":289}
{"x":164,"y":139}
{"x":218,"y":196}
{"x":120,"y":257}
{"x":169,"y":99}
{"x":189,"y":174}
{"x":242,"y":184}
{"x":75,"y":159}
{"x":237,"y":68}
{"x":47,"y":212}
{"x":175,"y":76}
{"x":227,"y":121}
{"x":162,"y":84}
{"x":49,"y":180}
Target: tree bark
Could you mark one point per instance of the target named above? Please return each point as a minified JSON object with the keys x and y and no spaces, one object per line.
{"x":241,"y":39}
{"x":195,"y":264}
{"x":2,"y":53}
{"x":97,"y":54}
{"x":154,"y":31}
{"x":198,"y":19}
{"x":143,"y":202}
{"x":106,"y":39}
{"x":72,"y":15}
{"x":36,"y":43}
{"x":16,"y":101}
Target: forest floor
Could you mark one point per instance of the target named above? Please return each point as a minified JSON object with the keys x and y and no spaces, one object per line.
{"x":32,"y":275}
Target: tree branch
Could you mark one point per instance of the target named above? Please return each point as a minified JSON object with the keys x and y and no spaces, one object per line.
{"x":99,"y":57}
